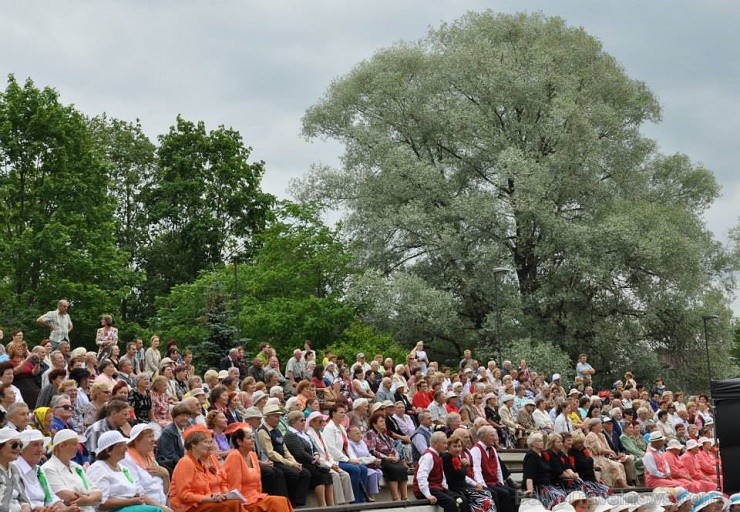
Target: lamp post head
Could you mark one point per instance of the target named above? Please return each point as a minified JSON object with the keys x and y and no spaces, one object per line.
{"x":709,"y":317}
{"x":500,"y":270}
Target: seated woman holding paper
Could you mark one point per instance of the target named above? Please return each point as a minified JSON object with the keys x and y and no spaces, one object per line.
{"x":242,"y":471}
{"x":198,"y":483}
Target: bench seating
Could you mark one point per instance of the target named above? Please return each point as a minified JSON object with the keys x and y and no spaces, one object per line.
{"x":514,"y":460}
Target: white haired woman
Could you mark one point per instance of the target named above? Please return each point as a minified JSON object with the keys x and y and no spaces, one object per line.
{"x":537,"y":472}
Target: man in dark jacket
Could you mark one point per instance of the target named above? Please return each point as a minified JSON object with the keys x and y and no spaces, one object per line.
{"x":170,"y":447}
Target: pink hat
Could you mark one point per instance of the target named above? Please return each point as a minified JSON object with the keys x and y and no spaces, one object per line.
{"x":314,"y":415}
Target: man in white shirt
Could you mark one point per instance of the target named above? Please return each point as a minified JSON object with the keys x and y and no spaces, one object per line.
{"x":295,"y":368}
{"x":437,"y":408}
{"x":57,"y":363}
{"x":58,"y":322}
{"x":34,"y":479}
{"x":487,"y":470}
{"x":430,"y":481}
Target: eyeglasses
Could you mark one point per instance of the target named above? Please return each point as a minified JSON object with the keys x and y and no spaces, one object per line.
{"x":302,"y":420}
{"x":65,"y":407}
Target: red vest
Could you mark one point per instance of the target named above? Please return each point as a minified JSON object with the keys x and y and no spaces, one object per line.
{"x":488,"y":465}
{"x":436,"y":475}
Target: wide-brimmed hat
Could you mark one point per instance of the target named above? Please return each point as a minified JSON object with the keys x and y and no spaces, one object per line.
{"x":450,"y":395}
{"x":674,"y":444}
{"x":258,"y":395}
{"x":108,"y":439}
{"x":9,"y":434}
{"x":531,"y":505}
{"x":682,"y":496}
{"x":223,"y":374}
{"x":269,"y":410}
{"x":66,"y":435}
{"x":576,"y":496}
{"x":507,"y":398}
{"x":602,"y":505}
{"x":375,"y":407}
{"x":707,"y":499}
{"x":165,"y":362}
{"x":488,"y":397}
{"x":703,"y":440}
{"x":314,"y":415}
{"x":691,"y":444}
{"x":194,"y":429}
{"x":563,"y":507}
{"x":30,"y":435}
{"x":233,"y":427}
{"x":137,"y":430}
{"x":656,"y":435}
{"x":252,"y":412}
{"x":735,"y":499}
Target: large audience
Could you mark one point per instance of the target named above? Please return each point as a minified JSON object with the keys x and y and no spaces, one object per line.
{"x":133,"y":427}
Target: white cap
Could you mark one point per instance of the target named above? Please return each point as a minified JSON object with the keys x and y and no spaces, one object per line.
{"x":66,"y":435}
{"x":108,"y":439}
{"x":555,"y":376}
{"x":703,"y":440}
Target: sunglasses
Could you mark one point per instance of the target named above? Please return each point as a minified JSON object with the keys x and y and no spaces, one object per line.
{"x":15,"y":445}
{"x":65,"y":407}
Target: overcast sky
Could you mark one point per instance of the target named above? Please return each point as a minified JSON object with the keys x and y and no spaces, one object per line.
{"x":256,"y":66}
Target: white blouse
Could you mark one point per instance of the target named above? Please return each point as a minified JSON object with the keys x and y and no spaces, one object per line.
{"x":118,"y":484}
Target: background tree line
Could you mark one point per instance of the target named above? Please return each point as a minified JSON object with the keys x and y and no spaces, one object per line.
{"x":497,"y":141}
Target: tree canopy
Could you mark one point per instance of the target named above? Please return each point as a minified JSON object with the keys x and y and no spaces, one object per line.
{"x":514,"y":141}
{"x":57,"y":225}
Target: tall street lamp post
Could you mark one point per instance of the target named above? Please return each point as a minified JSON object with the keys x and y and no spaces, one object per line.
{"x":497,"y":271}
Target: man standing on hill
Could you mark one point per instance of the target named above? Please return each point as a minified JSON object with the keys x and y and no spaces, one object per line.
{"x":584,"y":370}
{"x":58,"y":322}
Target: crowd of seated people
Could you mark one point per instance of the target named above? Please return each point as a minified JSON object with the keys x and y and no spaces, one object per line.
{"x":129,"y":427}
